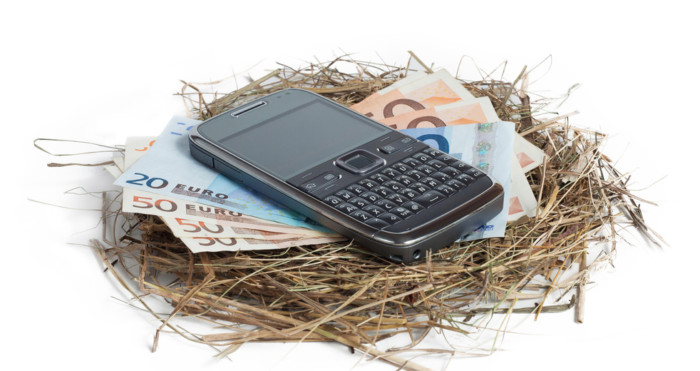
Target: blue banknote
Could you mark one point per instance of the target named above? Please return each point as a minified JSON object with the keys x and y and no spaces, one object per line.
{"x":486,"y":146}
{"x":168,"y":169}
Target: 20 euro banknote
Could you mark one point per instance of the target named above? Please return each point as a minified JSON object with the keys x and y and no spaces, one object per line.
{"x":168,"y":169}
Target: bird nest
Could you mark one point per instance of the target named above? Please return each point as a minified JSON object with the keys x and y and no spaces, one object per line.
{"x":340,"y":292}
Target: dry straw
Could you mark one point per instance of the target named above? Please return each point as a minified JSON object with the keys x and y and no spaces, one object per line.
{"x":342,"y":293}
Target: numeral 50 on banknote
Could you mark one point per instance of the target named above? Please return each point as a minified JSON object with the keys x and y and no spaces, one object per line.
{"x":210,"y":241}
{"x":164,"y":205}
{"x":198,"y":226}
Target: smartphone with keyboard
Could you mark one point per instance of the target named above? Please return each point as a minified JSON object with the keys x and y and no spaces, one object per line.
{"x":392,"y":194}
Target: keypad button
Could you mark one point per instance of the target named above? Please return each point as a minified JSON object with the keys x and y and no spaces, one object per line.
{"x":394,"y":185}
{"x":382,"y":191}
{"x":389,"y":148}
{"x":407,"y":187}
{"x":431,"y":182}
{"x":412,"y":162}
{"x":429,"y":198}
{"x":356,"y":189}
{"x":400,"y":166}
{"x":386,"y":204}
{"x":446,"y":190}
{"x":459,"y":165}
{"x":390,"y":218}
{"x":450,"y":171}
{"x":409,"y":193}
{"x":402,"y":212}
{"x":320,"y":181}
{"x":474,"y":172}
{"x":346,"y":207}
{"x":361,"y":215}
{"x":377,"y":223}
{"x":396,"y":145}
{"x":391,"y":173}
{"x":369,"y":184}
{"x":397,"y":199}
{"x":413,"y":206}
{"x":440,"y":176}
{"x":436,"y":164}
{"x":456,"y":184}
{"x":380,"y":178}
{"x":446,"y":159}
{"x":420,"y":187}
{"x":333,"y":200}
{"x":426,"y":169}
{"x":374,"y":210}
{"x":345,"y":194}
{"x":405,"y":180}
{"x":406,"y":140}
{"x":422,"y":157}
{"x":464,"y":178}
{"x":359,"y":202}
{"x":371,"y":197}
{"x":415,"y":174}
{"x":432,"y":152}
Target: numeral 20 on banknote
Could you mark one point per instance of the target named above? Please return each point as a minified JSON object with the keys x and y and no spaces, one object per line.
{"x":155,"y":183}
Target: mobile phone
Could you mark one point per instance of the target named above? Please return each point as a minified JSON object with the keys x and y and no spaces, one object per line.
{"x":394,"y":195}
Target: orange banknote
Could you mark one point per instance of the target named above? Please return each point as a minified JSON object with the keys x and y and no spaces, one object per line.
{"x":414,"y":93}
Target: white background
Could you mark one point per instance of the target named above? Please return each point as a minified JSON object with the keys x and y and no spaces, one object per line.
{"x":99,"y":73}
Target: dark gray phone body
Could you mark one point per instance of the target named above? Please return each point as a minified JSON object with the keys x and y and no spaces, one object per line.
{"x":348,"y":172}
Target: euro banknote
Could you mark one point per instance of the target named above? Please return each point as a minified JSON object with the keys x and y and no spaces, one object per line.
{"x":216,"y":244}
{"x":189,"y":227}
{"x":458,"y":113}
{"x":137,"y":201}
{"x":185,"y":219}
{"x":434,"y":100}
{"x":461,"y":113}
{"x":168,"y":169}
{"x":169,"y":208}
{"x":486,"y":146}
{"x":135,"y":148}
{"x":238,"y":232}
{"x":521,"y":200}
{"x":414,"y":93}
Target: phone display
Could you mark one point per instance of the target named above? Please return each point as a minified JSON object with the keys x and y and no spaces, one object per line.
{"x":276,"y":144}
{"x":394,"y":195}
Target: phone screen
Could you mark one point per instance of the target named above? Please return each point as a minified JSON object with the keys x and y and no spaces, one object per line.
{"x":300,"y":138}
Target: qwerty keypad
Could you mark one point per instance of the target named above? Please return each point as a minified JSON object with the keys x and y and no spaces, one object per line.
{"x":404,"y":188}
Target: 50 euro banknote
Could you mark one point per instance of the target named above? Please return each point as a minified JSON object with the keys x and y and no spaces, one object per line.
{"x":188,"y":227}
{"x":216,"y":244}
{"x":136,"y":201}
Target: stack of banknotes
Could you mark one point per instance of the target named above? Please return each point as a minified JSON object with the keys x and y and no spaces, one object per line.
{"x":210,"y":212}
